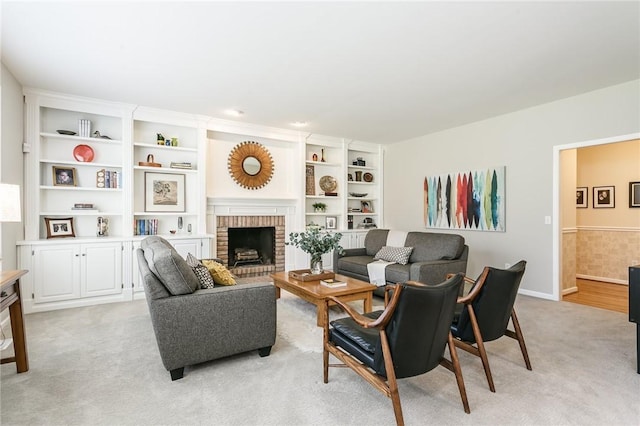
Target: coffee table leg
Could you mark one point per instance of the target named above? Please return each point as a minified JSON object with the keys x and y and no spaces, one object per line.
{"x":277,"y":292}
{"x":368,"y":303}
{"x":322,"y":312}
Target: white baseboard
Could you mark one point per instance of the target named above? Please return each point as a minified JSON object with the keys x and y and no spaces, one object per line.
{"x":603,"y":279}
{"x":537,"y":294}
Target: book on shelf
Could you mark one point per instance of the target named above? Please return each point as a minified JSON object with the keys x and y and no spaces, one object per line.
{"x":184,"y":165}
{"x":329,"y":282}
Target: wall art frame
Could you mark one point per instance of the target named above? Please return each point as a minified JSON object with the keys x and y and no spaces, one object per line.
{"x":164,"y":192}
{"x":331,"y":222}
{"x":634,"y":194}
{"x":604,"y":197}
{"x":64,"y":176}
{"x":471,"y":200}
{"x":59,"y":227}
{"x":582,"y":197}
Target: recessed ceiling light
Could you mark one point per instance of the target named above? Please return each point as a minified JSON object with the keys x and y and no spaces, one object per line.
{"x":234,"y":112}
{"x":299,"y":123}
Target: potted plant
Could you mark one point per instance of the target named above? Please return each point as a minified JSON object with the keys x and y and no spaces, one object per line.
{"x":316,"y":242}
{"x":319,"y":207}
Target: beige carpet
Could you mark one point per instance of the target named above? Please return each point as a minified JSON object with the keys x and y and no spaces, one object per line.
{"x":99,"y":365}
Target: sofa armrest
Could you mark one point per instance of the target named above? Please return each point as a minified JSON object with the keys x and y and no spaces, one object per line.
{"x":361,"y":251}
{"x":213,"y":323}
{"x":435,"y":271}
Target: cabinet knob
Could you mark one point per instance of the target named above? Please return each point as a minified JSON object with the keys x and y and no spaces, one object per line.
{"x":77,"y":255}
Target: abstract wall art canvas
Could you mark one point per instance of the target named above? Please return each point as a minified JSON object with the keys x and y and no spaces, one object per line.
{"x":473,"y":200}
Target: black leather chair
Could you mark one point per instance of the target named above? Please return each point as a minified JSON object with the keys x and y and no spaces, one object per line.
{"x":483,"y":314}
{"x":406,"y":339}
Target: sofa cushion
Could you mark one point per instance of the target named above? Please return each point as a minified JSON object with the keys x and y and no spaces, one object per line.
{"x":433,"y":246}
{"x":221,"y":275}
{"x":375,"y":240}
{"x":170,"y":268}
{"x":394,"y":254}
{"x":201,"y":271}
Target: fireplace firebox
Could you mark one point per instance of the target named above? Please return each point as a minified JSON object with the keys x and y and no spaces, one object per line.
{"x":251,"y":246}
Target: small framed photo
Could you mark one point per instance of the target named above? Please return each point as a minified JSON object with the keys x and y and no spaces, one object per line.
{"x":582,"y":197}
{"x":331,"y":222}
{"x":64,"y":176}
{"x":59,"y":227}
{"x":164,"y":192}
{"x":604,"y":197}
{"x":366,"y":207}
{"x":634,"y":194}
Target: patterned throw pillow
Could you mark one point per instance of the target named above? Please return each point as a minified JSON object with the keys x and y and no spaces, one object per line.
{"x":220,"y":274}
{"x":394,"y":254}
{"x":201,"y":271}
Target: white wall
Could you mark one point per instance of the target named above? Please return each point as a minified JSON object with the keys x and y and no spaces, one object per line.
{"x":523,"y":141}
{"x":10,"y":159}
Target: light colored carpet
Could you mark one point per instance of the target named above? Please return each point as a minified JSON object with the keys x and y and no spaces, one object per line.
{"x":99,"y":365}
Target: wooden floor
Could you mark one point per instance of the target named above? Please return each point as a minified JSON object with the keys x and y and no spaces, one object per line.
{"x":614,"y":297}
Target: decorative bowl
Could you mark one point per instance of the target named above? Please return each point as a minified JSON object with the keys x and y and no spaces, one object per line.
{"x":358,"y":194}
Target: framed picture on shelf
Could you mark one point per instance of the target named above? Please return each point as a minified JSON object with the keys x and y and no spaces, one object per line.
{"x":582,"y":197}
{"x":59,"y":227}
{"x":604,"y":197}
{"x":365,"y":206}
{"x":634,"y":194}
{"x":164,"y":192}
{"x":331,"y":222}
{"x":64,"y":176}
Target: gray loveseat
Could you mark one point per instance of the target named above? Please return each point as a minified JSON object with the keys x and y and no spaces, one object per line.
{"x":434,"y":255}
{"x":194,"y":325}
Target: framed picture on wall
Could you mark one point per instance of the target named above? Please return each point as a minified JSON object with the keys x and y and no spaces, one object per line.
{"x":604,"y":197}
{"x":582,"y":197}
{"x":331,"y":222}
{"x":164,"y":192}
{"x":634,"y":194}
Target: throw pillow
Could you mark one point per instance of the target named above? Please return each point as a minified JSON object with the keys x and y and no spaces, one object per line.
{"x":201,"y":271}
{"x":394,"y":254}
{"x":220,"y":274}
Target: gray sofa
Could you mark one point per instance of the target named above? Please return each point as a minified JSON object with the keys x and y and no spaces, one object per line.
{"x":434,"y":255}
{"x":194,"y":325}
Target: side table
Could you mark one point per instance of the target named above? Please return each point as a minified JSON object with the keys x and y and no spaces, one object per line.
{"x":10,"y":298}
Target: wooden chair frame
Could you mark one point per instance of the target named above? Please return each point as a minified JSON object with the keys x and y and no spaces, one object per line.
{"x":480,"y":350}
{"x":388,"y":386}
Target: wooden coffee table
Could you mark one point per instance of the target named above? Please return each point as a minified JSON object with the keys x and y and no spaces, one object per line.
{"x":316,"y":293}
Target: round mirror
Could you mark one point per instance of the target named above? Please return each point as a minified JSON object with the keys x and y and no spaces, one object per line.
{"x":251,"y":166}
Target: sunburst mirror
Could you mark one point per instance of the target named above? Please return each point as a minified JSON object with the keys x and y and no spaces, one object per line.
{"x":250,"y":165}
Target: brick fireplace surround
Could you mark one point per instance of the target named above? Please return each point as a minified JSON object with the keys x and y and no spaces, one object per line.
{"x":223,"y":223}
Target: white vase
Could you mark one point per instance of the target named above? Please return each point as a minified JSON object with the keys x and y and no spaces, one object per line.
{"x":316,"y":265}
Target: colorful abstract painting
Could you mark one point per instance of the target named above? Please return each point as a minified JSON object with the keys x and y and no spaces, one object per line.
{"x":466,"y":200}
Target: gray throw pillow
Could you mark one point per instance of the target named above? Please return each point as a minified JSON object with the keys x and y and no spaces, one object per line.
{"x":394,"y":254}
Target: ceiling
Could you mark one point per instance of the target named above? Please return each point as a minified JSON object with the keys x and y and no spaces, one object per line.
{"x":372,"y":71}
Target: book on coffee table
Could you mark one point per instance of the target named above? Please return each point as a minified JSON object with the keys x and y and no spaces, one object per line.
{"x":333,"y":283}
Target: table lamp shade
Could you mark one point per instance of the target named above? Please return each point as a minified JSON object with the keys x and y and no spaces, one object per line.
{"x":9,"y":203}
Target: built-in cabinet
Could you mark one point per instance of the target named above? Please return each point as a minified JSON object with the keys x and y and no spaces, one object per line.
{"x":115,"y":166}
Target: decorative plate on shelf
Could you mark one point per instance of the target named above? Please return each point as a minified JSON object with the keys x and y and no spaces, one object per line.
{"x":66,"y":132}
{"x":358,"y":194}
{"x":83,"y":153}
{"x":328,"y":183}
{"x":367,"y":177}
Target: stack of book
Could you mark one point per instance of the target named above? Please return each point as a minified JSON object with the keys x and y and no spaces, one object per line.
{"x":108,"y":179}
{"x":184,"y":165}
{"x":84,"y":128}
{"x":331,"y":283}
{"x":83,"y":206}
{"x":145,"y":227}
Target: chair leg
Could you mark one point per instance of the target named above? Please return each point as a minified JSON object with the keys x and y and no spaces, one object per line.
{"x":177,"y":373}
{"x":482,"y":351}
{"x":264,"y":351}
{"x":392,"y":383}
{"x":520,"y":338}
{"x":455,"y":362}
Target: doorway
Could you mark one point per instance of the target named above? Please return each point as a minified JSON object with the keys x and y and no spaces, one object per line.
{"x":566,"y":242}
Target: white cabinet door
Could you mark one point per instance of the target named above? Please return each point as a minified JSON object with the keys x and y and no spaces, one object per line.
{"x":184,"y":247}
{"x":101,"y":269}
{"x":357,"y":239}
{"x":136,"y":277}
{"x":56,"y":275}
